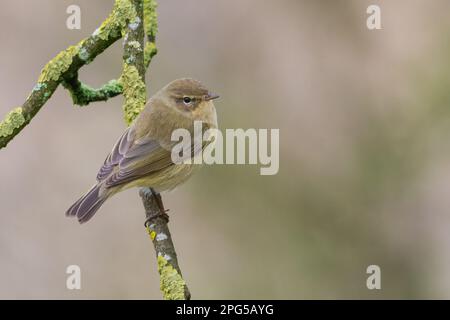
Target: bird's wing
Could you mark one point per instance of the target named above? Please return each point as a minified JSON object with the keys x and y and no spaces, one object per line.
{"x":120,"y":148}
{"x":132,"y":159}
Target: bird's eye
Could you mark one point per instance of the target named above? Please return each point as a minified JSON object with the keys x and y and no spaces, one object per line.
{"x":187,"y":100}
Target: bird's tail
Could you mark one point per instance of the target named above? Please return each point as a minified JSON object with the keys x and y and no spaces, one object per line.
{"x":85,"y":208}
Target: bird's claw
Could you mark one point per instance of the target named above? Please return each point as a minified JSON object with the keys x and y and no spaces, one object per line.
{"x":152,"y":217}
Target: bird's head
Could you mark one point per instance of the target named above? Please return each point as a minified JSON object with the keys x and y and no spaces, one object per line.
{"x":189,"y":95}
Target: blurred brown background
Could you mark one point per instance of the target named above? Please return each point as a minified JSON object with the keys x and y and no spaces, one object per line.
{"x":364,"y":119}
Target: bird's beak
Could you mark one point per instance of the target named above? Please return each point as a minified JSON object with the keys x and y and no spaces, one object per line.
{"x":211,"y":96}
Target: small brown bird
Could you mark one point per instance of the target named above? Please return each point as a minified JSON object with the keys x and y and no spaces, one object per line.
{"x":142,"y":155}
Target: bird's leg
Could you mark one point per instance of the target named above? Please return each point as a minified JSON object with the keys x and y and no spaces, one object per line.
{"x":156,"y":209}
{"x":158,"y":199}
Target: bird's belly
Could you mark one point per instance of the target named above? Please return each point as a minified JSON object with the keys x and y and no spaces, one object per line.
{"x":165,"y":179}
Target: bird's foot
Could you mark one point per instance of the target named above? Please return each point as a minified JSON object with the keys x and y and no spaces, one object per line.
{"x":161,"y":212}
{"x":151,"y":218}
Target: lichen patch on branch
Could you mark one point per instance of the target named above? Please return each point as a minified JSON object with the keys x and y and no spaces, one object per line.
{"x":134,"y":92}
{"x":171,"y":284}
{"x":39,"y":86}
{"x":12,"y":121}
{"x":84,"y":55}
{"x":58,"y":65}
{"x":133,"y":19}
{"x":122,"y":13}
{"x":135,"y":24}
{"x":150,"y":19}
{"x":150,"y":51}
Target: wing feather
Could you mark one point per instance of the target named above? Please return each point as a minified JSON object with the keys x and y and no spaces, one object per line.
{"x":119,"y":150}
{"x":133,"y":159}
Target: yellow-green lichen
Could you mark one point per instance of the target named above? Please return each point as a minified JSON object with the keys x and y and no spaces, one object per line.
{"x":58,"y":65}
{"x":135,"y":44}
{"x":150,"y":51}
{"x":116,"y":23}
{"x":152,"y":235}
{"x":150,"y":18}
{"x":171,"y":284}
{"x":133,"y":25}
{"x":12,"y":121}
{"x":133,"y":91}
{"x":84,"y":94}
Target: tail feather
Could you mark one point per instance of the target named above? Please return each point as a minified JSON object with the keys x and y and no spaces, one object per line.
{"x":85,"y":207}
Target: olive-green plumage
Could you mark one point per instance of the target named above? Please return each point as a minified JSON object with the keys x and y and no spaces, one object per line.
{"x":142,"y":155}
